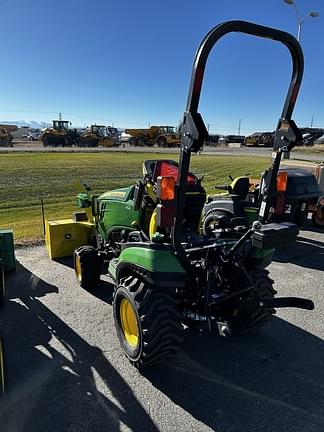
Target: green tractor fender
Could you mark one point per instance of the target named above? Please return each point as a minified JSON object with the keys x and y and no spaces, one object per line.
{"x":156,"y":263}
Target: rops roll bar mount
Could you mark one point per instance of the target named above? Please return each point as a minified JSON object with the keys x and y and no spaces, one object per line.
{"x":194,"y":132}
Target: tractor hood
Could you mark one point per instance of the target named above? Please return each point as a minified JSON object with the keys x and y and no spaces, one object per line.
{"x":123,"y":194}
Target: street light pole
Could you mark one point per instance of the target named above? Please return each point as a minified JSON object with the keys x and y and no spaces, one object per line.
{"x":300,"y":20}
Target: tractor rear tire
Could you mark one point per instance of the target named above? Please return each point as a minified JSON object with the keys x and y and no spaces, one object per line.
{"x":2,"y":286}
{"x":147,"y":321}
{"x":87,"y":267}
{"x":45,"y":141}
{"x":162,"y":142}
{"x":141,"y":142}
{"x":245,"y":320}
{"x":2,"y":369}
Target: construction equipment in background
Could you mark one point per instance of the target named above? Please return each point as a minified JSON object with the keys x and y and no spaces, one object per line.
{"x":232,"y":139}
{"x":310,"y":135}
{"x":60,"y":134}
{"x":265,"y":139}
{"x":163,"y":136}
{"x":99,"y":135}
{"x":5,"y":135}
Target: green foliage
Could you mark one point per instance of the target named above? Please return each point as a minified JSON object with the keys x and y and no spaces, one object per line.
{"x":27,"y":177}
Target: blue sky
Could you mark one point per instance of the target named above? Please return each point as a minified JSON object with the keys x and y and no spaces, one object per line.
{"x":128,"y":63}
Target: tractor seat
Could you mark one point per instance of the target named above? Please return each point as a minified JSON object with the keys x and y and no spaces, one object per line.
{"x":240,"y":187}
{"x":152,"y":169}
{"x":195,"y":193}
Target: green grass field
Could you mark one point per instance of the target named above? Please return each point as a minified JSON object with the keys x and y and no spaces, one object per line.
{"x":27,"y":177}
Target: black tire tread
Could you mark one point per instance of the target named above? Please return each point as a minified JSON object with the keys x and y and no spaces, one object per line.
{"x":264,"y":289}
{"x":161,"y":331}
{"x":90,"y":267}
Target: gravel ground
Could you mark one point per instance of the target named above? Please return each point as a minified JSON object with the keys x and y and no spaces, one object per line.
{"x":66,"y":371}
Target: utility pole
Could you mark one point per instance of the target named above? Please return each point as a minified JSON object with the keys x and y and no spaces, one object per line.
{"x":311,"y":124}
{"x":60,"y":116}
{"x":239,"y":127}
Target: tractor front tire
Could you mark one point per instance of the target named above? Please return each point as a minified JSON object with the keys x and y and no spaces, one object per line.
{"x":87,"y":267}
{"x":162,"y":142}
{"x":147,"y":321}
{"x":141,"y":142}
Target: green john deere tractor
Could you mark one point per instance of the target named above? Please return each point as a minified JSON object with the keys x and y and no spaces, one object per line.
{"x":168,"y":275}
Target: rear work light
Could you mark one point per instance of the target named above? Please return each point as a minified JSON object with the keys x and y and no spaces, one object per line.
{"x":280,"y":204}
{"x":165,"y":210}
{"x":282,"y":178}
{"x":165,"y":214}
{"x":165,"y":188}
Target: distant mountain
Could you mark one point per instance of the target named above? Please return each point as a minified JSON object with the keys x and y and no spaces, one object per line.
{"x":29,"y":123}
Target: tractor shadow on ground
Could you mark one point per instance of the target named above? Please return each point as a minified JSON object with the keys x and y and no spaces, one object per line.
{"x":305,"y":252}
{"x":270,"y":380}
{"x":22,"y":283}
{"x":56,"y":380}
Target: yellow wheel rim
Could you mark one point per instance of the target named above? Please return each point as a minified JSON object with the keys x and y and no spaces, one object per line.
{"x":1,"y":368}
{"x":153,"y":224}
{"x":78,"y":271}
{"x":129,"y":322}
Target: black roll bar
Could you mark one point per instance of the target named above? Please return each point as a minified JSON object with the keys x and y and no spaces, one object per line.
{"x":255,"y":30}
{"x":194,"y":131}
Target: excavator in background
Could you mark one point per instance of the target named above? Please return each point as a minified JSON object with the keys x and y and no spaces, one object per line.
{"x":5,"y":135}
{"x":163,"y":136}
{"x":99,"y":135}
{"x":60,"y":134}
{"x":265,"y":139}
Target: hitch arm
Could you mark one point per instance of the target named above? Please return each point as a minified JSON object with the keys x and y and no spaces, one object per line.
{"x":279,"y":302}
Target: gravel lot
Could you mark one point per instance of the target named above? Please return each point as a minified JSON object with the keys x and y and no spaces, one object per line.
{"x":66,"y":371}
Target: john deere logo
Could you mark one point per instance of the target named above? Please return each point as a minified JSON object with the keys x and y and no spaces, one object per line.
{"x":68,"y":236}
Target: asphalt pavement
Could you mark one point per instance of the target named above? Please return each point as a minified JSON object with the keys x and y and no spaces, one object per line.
{"x":66,"y":371}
